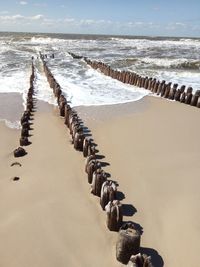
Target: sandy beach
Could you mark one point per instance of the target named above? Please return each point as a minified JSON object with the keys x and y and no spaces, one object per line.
{"x":49,"y":217}
{"x":153,"y":151}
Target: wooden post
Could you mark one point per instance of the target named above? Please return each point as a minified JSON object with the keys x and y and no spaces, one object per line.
{"x":173,"y":91}
{"x":195,"y":98}
{"x":160,"y":86}
{"x":167,"y":90}
{"x":128,"y":243}
{"x":114,"y":215}
{"x":188,"y":96}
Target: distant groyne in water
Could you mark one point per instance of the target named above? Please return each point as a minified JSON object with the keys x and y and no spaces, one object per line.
{"x":160,"y":88}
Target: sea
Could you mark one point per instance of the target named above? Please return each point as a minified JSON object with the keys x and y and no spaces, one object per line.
{"x":175,"y":60}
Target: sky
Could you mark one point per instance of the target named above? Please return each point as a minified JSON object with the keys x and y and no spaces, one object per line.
{"x":114,"y":17}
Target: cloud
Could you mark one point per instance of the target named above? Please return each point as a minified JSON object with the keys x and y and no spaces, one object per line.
{"x":11,"y":18}
{"x":19,"y":19}
{"x":23,"y":3}
{"x":139,"y":24}
{"x":42,"y":23}
{"x":36,"y":17}
{"x":174,"y":26}
{"x":87,"y":22}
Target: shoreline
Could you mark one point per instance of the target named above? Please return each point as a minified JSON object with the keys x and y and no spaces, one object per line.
{"x":99,"y":112}
{"x":11,"y":108}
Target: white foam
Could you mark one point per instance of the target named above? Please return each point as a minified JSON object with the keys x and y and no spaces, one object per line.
{"x":43,"y":90}
{"x":163,"y":62}
{"x":146,"y":43}
{"x":94,"y":88}
{"x":12,"y":124}
{"x":181,"y":78}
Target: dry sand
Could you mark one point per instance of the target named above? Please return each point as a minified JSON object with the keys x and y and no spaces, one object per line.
{"x":153,"y":149}
{"x":49,"y":218}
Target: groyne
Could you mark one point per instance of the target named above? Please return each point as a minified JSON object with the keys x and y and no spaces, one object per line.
{"x":129,"y":234}
{"x":27,"y":117}
{"x":162,"y":88}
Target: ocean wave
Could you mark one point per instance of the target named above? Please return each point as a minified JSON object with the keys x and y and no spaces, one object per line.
{"x":168,"y":63}
{"x":14,"y":82}
{"x":121,"y":63}
{"x":45,"y":40}
{"x":195,"y":65}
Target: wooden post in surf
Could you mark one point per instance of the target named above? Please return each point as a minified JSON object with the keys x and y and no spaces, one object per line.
{"x":167,"y":90}
{"x":163,"y":88}
{"x":182,"y":98}
{"x":195,"y":98}
{"x":188,"y":96}
{"x":173,"y":91}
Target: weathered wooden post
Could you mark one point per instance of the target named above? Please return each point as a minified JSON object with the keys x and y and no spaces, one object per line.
{"x":92,"y":167}
{"x":156,"y":87}
{"x":24,"y":132}
{"x":140,"y":260}
{"x":167,"y":90}
{"x":108,"y":193}
{"x":179,"y":92}
{"x":78,"y":140}
{"x":195,"y":98}
{"x":128,"y":243}
{"x":61,"y":103}
{"x":182,"y":99}
{"x":153,"y":84}
{"x":188,"y":96}
{"x":114,"y":215}
{"x":146,"y":82}
{"x":142,"y":82}
{"x":173,"y":91}
{"x":87,"y":161}
{"x":86,"y":143}
{"x":19,"y":152}
{"x":160,"y":86}
{"x":163,"y":88}
{"x":99,"y":177}
{"x":149,"y":84}
{"x":24,"y":141}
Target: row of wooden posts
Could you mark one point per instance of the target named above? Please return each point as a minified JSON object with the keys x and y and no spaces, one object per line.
{"x":26,"y":117}
{"x":128,"y":243}
{"x":161,"y":88}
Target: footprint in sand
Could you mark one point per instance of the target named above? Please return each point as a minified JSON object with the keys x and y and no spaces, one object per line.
{"x":16,"y":164}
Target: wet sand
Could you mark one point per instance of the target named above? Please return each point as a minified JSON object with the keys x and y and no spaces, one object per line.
{"x":49,"y":217}
{"x":11,"y":107}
